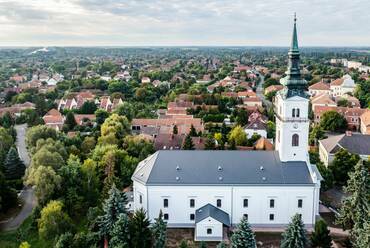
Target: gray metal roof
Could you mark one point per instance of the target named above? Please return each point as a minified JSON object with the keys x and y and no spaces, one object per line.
{"x":201,"y":167}
{"x":354,"y":143}
{"x":211,"y":211}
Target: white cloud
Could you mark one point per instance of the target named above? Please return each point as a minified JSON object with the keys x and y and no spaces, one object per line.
{"x":183,"y":22}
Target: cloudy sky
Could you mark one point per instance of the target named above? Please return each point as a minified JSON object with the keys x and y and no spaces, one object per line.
{"x":183,"y":22}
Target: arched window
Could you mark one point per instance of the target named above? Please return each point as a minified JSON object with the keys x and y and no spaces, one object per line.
{"x":297,"y":113}
{"x":295,"y":140}
{"x":293,"y":112}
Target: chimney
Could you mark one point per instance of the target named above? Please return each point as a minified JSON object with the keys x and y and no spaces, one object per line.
{"x":348,"y":133}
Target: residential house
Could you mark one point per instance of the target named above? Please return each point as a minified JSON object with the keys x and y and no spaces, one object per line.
{"x":54,"y":119}
{"x":355,"y":143}
{"x":342,"y":86}
{"x":257,"y":126}
{"x":365,"y":122}
{"x":252,"y":102}
{"x":319,"y":88}
{"x":322,"y":100}
{"x":145,"y":80}
{"x":16,"y":109}
{"x":273,"y":88}
{"x":352,"y":115}
{"x":109,"y":105}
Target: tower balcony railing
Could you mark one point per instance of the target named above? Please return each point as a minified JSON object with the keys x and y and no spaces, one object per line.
{"x":292,"y":119}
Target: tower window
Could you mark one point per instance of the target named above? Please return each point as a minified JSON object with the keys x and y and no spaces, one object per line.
{"x":192,"y":203}
{"x":295,"y":140}
{"x":165,"y":203}
{"x":300,"y":203}
{"x":165,"y":216}
{"x":245,"y":216}
{"x":272,"y":203}
{"x":192,"y":216}
{"x":245,"y":203}
{"x":297,"y":113}
{"x":272,"y":217}
{"x":209,"y":231}
{"x":140,"y":199}
{"x":219,"y":203}
{"x":293,"y":112}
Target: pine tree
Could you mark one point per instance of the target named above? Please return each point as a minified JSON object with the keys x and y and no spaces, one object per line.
{"x":295,"y":235}
{"x":175,"y":130}
{"x":193,"y":132}
{"x":159,"y":232}
{"x":113,"y":207}
{"x":363,"y":239}
{"x":70,"y":121}
{"x":356,"y":206}
{"x":210,"y":143}
{"x":14,"y":167}
{"x":183,"y":244}
{"x":202,"y":244}
{"x":232,"y":145}
{"x":120,"y":235}
{"x":221,"y":245}
{"x":141,"y":235}
{"x":243,"y":237}
{"x":321,"y":235}
{"x":188,"y":143}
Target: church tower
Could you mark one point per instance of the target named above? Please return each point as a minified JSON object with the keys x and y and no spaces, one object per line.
{"x":291,"y":109}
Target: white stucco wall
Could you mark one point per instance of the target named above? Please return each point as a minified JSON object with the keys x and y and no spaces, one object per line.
{"x":201,"y":230}
{"x":287,"y":126}
{"x":258,"y":210}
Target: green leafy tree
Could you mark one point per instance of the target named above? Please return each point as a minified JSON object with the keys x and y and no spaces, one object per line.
{"x":14,"y":167}
{"x":101,"y":115}
{"x":138,"y":146}
{"x":295,"y":234}
{"x":90,"y":182}
{"x":321,"y":235}
{"x":327,"y":174}
{"x":141,"y":235}
{"x":126,"y":109}
{"x":238,"y":135}
{"x":333,"y":121}
{"x":70,"y":121}
{"x":159,"y":232}
{"x":188,"y":143}
{"x":53,"y":221}
{"x":120,"y":235}
{"x":47,"y":158}
{"x":342,"y":164}
{"x":271,"y":129}
{"x":269,"y":82}
{"x":363,"y":238}
{"x":317,"y":133}
{"x":39,"y":132}
{"x":25,"y":244}
{"x":243,"y":236}
{"x":112,"y":208}
{"x":114,"y":129}
{"x":46,"y":183}
{"x":88,"y":107}
{"x":7,"y":120}
{"x":355,"y":210}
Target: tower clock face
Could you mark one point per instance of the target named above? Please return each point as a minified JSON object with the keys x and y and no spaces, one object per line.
{"x":295,"y":125}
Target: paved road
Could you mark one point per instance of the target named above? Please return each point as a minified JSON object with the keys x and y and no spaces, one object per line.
{"x":259,"y":92}
{"x":27,"y":195}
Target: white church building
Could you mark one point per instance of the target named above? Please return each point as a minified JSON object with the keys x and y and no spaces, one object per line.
{"x":212,"y":190}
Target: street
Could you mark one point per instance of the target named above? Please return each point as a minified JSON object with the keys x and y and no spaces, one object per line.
{"x":27,"y":196}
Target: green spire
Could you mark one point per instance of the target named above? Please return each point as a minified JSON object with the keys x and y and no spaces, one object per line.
{"x":294,"y":44}
{"x":293,"y":82}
